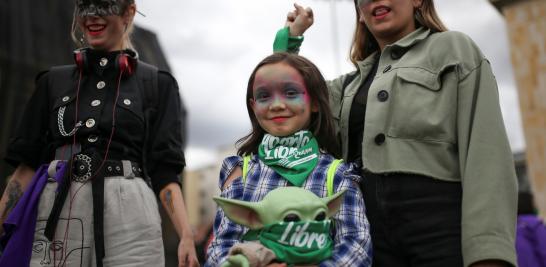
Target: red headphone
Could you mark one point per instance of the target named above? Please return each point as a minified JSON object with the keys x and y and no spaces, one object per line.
{"x":125,"y":61}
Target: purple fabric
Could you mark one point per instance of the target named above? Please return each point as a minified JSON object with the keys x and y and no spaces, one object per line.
{"x":531,"y":241}
{"x":20,"y":225}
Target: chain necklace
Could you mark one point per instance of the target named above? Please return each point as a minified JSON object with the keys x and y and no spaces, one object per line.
{"x":60,"y":123}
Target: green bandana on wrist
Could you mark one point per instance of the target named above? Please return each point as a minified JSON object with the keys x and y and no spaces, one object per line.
{"x":296,"y":242}
{"x":293,"y":157}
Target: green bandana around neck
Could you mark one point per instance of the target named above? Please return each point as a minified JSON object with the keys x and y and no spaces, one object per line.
{"x":296,"y":242}
{"x":293,"y":157}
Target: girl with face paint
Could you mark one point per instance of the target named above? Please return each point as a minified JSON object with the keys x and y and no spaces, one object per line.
{"x":97,"y":140}
{"x":421,"y":116}
{"x":292,"y":143}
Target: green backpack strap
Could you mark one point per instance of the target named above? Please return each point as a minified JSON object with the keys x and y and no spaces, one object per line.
{"x":246,"y":160}
{"x":330,"y":176}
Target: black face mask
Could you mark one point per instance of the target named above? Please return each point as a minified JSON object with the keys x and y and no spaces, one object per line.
{"x":100,"y":7}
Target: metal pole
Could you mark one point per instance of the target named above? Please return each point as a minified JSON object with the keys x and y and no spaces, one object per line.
{"x":335,"y":36}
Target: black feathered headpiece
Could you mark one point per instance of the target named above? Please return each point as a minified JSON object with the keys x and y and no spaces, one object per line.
{"x":101,"y":7}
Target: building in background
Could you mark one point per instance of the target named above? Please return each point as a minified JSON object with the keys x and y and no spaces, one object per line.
{"x":199,"y":186}
{"x":526,"y":25}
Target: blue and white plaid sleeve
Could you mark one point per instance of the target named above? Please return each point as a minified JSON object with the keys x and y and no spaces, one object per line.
{"x":226,"y":232}
{"x":352,"y":240}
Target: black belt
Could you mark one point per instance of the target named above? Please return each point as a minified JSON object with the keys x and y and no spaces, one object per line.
{"x":86,"y":167}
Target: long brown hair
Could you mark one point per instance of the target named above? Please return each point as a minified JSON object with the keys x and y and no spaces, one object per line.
{"x":321,"y":125}
{"x":128,"y":44}
{"x":364,"y":44}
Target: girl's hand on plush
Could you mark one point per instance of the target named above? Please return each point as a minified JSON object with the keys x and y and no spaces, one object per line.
{"x":276,"y":265}
{"x":186,"y":253}
{"x":299,"y":20}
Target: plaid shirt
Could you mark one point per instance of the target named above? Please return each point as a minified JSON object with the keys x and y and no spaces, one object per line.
{"x":352,"y":236}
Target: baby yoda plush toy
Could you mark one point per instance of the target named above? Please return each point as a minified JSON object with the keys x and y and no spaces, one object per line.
{"x":289,"y":225}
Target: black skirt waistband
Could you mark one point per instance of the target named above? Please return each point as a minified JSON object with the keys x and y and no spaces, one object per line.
{"x":85,"y":167}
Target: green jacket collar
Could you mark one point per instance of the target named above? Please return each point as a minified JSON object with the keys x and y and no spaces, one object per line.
{"x":368,"y":62}
{"x":411,"y":39}
{"x":400,"y":47}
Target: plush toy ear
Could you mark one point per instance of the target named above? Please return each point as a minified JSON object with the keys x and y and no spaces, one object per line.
{"x":241,"y":212}
{"x":334,"y":202}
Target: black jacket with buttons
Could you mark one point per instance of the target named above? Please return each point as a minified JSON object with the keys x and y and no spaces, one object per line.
{"x":52,"y":109}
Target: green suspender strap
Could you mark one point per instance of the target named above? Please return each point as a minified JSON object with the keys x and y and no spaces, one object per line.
{"x":329,"y":175}
{"x":246,"y":160}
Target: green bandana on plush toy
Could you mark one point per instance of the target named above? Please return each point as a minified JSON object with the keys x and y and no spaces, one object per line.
{"x":293,"y":156}
{"x":290,"y":221}
{"x":296,"y":242}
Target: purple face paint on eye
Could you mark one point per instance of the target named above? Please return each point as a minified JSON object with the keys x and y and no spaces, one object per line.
{"x":275,"y":87}
{"x":289,"y":94}
{"x":280,"y":101}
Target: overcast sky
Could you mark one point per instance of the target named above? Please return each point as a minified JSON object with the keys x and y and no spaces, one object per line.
{"x":212,"y":46}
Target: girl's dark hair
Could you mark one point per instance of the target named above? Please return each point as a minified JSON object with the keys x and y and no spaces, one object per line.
{"x":364,"y":43}
{"x":321,"y":125}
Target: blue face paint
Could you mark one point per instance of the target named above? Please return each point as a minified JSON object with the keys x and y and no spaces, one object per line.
{"x":280,"y":101}
{"x":289,"y":94}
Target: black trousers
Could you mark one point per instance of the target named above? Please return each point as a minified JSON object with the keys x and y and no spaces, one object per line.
{"x":414,"y":220}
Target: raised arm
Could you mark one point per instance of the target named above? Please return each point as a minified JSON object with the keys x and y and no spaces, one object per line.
{"x":290,"y":37}
{"x":299,"y":20}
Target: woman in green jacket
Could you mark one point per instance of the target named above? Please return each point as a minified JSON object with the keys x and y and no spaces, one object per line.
{"x":421,"y":114}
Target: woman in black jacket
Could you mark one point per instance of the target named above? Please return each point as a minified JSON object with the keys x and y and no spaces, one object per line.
{"x":97,"y":139}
